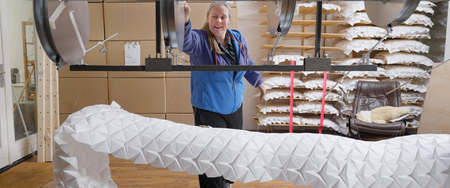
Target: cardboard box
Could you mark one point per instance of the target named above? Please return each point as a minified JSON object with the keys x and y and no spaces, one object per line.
{"x":116,"y":56}
{"x":179,"y":74}
{"x":198,"y":14}
{"x":93,"y":57}
{"x":139,"y":95}
{"x":187,"y":119}
{"x":62,"y":118}
{"x":140,"y":20}
{"x":178,"y":95}
{"x":96,"y":21}
{"x":159,"y":116}
{"x":77,"y":93}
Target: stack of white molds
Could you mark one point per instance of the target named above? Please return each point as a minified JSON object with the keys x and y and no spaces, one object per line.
{"x":399,"y":57}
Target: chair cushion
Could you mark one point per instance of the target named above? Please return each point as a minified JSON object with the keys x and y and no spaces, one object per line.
{"x":370,"y":95}
{"x":394,"y":129}
{"x":365,"y":116}
{"x":385,"y":113}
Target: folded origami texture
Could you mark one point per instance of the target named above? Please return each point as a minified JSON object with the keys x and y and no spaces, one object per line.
{"x":84,"y":140}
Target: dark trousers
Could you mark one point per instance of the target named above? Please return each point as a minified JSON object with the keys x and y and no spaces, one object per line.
{"x":232,"y":121}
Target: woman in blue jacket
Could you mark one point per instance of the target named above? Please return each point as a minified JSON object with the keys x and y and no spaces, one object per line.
{"x":217,"y":97}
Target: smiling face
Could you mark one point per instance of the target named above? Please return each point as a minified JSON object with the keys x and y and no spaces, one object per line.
{"x":218,"y":20}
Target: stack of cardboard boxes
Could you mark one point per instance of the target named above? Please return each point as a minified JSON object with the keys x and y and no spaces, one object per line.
{"x":164,"y":95}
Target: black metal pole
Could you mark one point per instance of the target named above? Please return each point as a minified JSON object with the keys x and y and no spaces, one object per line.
{"x":218,"y":68}
{"x":158,"y":28}
{"x":318,"y":29}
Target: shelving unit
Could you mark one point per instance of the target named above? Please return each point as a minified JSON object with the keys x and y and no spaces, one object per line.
{"x":359,"y":54}
{"x":27,"y":63}
{"x":296,"y":47}
{"x":301,"y":49}
{"x":283,"y":124}
{"x":303,"y":46}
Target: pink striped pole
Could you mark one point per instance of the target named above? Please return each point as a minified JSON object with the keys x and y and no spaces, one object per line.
{"x":323,"y":101}
{"x":291,"y":111}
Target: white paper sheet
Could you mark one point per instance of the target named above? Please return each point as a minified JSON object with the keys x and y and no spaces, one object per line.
{"x":132,"y":53}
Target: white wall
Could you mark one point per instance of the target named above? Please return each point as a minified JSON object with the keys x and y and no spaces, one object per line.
{"x":436,"y":109}
{"x":248,"y":25}
{"x":18,"y":11}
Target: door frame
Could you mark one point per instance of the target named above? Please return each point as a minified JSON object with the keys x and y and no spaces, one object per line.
{"x":20,"y":148}
{"x":4,"y":145}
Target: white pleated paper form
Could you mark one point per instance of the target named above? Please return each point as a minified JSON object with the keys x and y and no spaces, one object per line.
{"x":85,"y":139}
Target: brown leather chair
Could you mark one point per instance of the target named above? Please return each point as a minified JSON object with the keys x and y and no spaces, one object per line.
{"x":370,"y":95}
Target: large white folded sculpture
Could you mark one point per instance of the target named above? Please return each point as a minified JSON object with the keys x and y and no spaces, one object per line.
{"x":84,"y":140}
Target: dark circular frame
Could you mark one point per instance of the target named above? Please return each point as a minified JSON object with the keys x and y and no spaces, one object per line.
{"x":287,"y":15}
{"x":408,"y":8}
{"x":42,"y":24}
{"x":284,"y":21}
{"x":61,"y":44}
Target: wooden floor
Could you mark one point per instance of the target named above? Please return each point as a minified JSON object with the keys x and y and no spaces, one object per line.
{"x":129,"y":175}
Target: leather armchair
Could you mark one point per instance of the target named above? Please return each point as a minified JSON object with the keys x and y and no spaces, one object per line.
{"x":370,"y":95}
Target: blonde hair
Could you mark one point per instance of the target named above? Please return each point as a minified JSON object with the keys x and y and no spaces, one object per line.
{"x":211,"y":38}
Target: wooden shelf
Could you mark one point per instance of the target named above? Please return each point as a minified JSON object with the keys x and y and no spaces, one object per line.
{"x":295,"y":47}
{"x":263,"y":9}
{"x":296,"y":113}
{"x":303,"y":87}
{"x":417,"y":12}
{"x":264,"y":59}
{"x":303,"y":10}
{"x":370,"y":77}
{"x":301,"y":72}
{"x":371,"y":24}
{"x":385,"y":50}
{"x":390,"y":37}
{"x":295,"y":125}
{"x":404,"y":64}
{"x":310,"y":22}
{"x":306,"y":35}
{"x":296,"y":99}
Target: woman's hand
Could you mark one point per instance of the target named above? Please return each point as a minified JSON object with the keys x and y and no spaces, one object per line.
{"x":262,"y":89}
{"x":187,"y":11}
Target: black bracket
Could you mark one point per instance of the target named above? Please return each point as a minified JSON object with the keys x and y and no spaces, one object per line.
{"x":317,"y":64}
{"x":158,"y":64}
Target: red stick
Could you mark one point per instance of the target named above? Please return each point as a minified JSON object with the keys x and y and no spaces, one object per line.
{"x":291,"y":111}
{"x":323,"y":101}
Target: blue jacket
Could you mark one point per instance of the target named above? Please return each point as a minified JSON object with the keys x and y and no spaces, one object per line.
{"x":220,"y":92}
